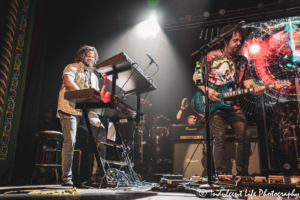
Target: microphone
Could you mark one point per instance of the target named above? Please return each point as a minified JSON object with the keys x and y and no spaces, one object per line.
{"x":224,"y":35}
{"x":152,"y":60}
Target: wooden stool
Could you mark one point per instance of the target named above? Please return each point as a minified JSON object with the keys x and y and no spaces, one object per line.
{"x":50,"y":138}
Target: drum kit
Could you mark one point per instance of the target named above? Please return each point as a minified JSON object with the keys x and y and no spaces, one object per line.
{"x":153,"y":142}
{"x":285,"y":131}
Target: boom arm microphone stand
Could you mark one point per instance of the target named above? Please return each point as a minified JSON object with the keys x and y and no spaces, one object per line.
{"x":203,"y":53}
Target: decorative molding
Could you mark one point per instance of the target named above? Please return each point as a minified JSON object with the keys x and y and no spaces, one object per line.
{"x":12,"y":95}
{"x":7,"y":48}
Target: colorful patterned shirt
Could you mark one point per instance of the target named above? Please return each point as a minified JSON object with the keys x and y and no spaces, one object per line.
{"x":222,"y":70}
{"x":75,"y":70}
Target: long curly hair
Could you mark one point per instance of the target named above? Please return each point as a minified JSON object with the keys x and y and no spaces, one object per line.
{"x":226,"y":28}
{"x":83,"y":50}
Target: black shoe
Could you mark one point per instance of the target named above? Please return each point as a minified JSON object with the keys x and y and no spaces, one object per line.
{"x":67,"y":183}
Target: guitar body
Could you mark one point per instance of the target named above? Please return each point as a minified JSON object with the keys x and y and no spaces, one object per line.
{"x":199,"y":98}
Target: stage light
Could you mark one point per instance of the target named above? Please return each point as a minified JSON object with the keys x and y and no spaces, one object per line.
{"x":206,"y":14}
{"x":260,"y":6}
{"x":254,"y":49}
{"x":222,"y":11}
{"x":149,"y":27}
{"x":280,"y":2}
{"x":188,"y":18}
{"x":152,"y":18}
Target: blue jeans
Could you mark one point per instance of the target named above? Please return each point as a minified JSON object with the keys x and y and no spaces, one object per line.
{"x":69,"y":124}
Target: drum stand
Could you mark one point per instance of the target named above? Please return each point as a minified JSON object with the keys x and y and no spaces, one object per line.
{"x":298,"y":117}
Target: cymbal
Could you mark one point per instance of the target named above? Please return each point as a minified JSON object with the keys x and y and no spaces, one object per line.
{"x":287,"y":108}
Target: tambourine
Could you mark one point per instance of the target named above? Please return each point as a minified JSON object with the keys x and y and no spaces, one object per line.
{"x":185,"y":103}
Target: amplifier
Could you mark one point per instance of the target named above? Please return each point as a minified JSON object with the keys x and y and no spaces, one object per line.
{"x":187,"y":132}
{"x":183,"y":152}
{"x":197,"y":132}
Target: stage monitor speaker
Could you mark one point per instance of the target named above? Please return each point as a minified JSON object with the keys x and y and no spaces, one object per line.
{"x":182,"y":156}
{"x":183,"y":151}
{"x":254,"y":167}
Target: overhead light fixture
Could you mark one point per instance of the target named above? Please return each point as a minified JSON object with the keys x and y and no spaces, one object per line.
{"x":188,"y":18}
{"x":280,"y":2}
{"x":222,"y":11}
{"x":149,"y":27}
{"x":260,"y":5}
{"x":206,"y":14}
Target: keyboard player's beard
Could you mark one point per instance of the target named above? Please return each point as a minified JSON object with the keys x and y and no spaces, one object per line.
{"x":87,"y":64}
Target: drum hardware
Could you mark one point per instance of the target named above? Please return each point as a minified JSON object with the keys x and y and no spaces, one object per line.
{"x":161,"y":120}
{"x":287,"y":139}
{"x":295,"y":141}
{"x":160,"y":142}
{"x":289,"y":108}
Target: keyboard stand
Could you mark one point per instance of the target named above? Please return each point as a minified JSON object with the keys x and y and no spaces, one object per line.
{"x":104,"y":182}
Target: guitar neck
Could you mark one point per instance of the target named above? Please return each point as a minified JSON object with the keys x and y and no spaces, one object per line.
{"x":244,"y":91}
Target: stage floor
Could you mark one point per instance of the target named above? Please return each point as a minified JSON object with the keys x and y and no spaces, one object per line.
{"x":49,"y":192}
{"x":60,"y":192}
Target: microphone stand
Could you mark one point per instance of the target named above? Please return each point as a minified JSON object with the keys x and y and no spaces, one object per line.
{"x":209,"y":186}
{"x":203,"y":53}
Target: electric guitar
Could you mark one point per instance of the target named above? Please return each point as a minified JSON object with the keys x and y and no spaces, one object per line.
{"x":199,"y":96}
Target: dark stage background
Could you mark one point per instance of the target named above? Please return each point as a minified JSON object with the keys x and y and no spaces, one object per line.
{"x":105,"y":27}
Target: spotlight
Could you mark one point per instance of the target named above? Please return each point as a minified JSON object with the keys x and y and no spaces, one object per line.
{"x":260,"y":6}
{"x":152,"y":18}
{"x":280,"y":2}
{"x":254,"y":49}
{"x":188,"y":18}
{"x":149,"y":27}
{"x":173,"y":20}
{"x":206,"y":14}
{"x":222,"y":11}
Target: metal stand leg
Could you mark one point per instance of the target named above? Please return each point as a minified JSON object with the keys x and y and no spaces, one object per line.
{"x":95,"y":148}
{"x":33,"y":178}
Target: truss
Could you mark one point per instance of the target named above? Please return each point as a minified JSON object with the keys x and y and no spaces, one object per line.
{"x":269,"y":11}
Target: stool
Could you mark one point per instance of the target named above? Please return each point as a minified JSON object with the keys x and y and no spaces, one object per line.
{"x":53,"y":138}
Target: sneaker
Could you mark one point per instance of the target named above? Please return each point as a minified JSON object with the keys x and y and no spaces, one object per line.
{"x":67,"y":183}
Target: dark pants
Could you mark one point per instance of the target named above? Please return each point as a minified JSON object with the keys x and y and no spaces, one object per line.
{"x":238,"y":123}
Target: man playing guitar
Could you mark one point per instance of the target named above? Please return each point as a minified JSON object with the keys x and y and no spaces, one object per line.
{"x":225,"y":65}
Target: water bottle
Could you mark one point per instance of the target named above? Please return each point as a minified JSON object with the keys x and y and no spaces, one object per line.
{"x":198,"y":71}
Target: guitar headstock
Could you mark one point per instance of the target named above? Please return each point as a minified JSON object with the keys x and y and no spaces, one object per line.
{"x":282,"y":83}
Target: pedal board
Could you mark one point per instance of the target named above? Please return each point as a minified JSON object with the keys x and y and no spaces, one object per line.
{"x":172,"y":180}
{"x":225,"y":177}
